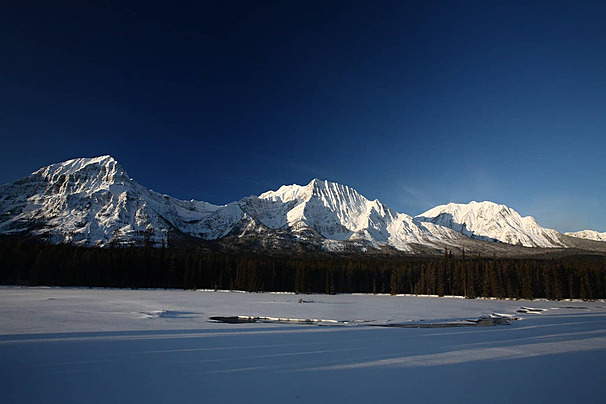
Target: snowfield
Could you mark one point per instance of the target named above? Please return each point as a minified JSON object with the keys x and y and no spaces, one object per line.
{"x":61,"y":345}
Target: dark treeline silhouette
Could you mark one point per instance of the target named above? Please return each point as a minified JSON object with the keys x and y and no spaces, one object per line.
{"x":23,"y":262}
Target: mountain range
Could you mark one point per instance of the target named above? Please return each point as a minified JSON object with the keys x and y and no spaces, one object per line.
{"x":94,"y":202}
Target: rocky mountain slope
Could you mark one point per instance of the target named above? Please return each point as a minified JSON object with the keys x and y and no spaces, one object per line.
{"x":93,"y":202}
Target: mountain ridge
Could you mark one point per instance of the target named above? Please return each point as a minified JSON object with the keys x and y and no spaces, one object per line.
{"x":93,"y":202}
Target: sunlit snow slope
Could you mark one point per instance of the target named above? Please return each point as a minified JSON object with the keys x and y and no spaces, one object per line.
{"x":588,"y":235}
{"x":493,"y":222}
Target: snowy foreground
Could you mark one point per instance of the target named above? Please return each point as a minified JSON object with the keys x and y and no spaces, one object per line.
{"x":80,"y":345}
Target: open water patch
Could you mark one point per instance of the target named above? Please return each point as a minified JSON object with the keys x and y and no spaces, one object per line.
{"x":281,"y":320}
{"x":484,"y":321}
{"x":168,"y":314}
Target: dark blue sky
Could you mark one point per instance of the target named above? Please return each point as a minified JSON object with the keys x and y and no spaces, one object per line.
{"x":414,"y":103}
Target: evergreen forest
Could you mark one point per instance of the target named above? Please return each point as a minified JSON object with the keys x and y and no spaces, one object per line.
{"x":23,"y":262}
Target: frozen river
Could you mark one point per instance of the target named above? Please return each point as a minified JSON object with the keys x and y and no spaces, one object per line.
{"x":94,"y":345}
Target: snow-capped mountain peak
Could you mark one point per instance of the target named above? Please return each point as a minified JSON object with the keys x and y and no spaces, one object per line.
{"x":84,"y":175}
{"x":491,"y":221}
{"x":92,"y":201}
{"x":336,"y":211}
{"x":75,"y":165}
{"x":588,"y":235}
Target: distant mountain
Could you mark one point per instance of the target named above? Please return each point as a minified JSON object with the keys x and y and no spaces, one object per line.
{"x":493,"y":222}
{"x":588,"y":235}
{"x":93,"y":202}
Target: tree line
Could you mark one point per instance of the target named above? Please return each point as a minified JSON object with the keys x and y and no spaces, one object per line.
{"x":23,"y":262}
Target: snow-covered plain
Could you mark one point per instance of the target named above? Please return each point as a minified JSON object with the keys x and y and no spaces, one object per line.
{"x":80,"y":345}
